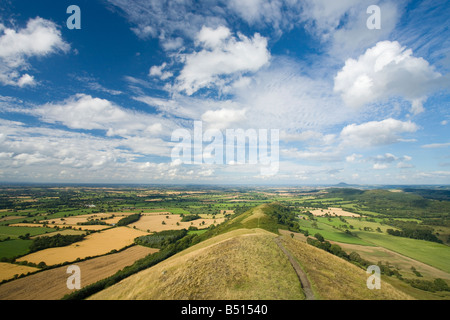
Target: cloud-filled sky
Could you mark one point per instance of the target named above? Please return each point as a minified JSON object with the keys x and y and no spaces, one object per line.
{"x":102,"y":104}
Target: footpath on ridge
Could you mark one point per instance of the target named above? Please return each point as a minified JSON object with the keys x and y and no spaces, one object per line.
{"x":306,"y":285}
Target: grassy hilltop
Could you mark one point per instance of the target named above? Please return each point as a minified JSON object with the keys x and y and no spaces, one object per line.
{"x":242,"y":261}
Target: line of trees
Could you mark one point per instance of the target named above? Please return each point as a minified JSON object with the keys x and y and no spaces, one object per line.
{"x":411,"y":229}
{"x":161,"y":239}
{"x":129,"y":219}
{"x":190,"y":217}
{"x":57,"y":240}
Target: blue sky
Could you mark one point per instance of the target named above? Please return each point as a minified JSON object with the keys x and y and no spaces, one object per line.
{"x":102,"y":103}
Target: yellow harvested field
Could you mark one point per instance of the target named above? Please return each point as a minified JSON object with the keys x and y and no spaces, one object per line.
{"x":8,"y":270}
{"x":113,"y":220}
{"x":154,"y":223}
{"x":51,"y":284}
{"x":334,"y":212}
{"x":95,"y":244}
{"x":74,"y":227}
{"x":79,"y":219}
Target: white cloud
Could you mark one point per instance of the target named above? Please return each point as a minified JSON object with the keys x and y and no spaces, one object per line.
{"x":353,"y":158}
{"x":309,"y":136}
{"x":223,"y":118}
{"x":375,"y":133}
{"x":172,"y":44}
{"x":341,"y":25}
{"x":40,"y":38}
{"x":385,"y":71}
{"x":380,"y":166}
{"x":386,"y":158}
{"x":436,"y":145}
{"x":313,"y":154}
{"x":282,"y":97}
{"x":86,"y":112}
{"x":26,"y":80}
{"x":221,"y":55}
{"x":157,"y":71}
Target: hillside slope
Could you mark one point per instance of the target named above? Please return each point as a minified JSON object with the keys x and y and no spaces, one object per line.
{"x":241,"y":264}
{"x":333,"y":278}
{"x":244,"y":261}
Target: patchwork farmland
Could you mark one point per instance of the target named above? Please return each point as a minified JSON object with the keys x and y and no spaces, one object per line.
{"x":116,"y":234}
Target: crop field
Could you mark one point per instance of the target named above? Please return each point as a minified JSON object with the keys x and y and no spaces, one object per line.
{"x":62,"y":232}
{"x":333,"y":212}
{"x":157,"y":222}
{"x":9,"y":270}
{"x":53,"y":226}
{"x":94,"y":245}
{"x":112,"y":218}
{"x":433,"y":254}
{"x":51,"y":284}
{"x":14,"y":231}
{"x":403,"y":263}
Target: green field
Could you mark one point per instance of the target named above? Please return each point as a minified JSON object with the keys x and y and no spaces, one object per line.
{"x":13,"y":248}
{"x":331,"y":234}
{"x":431,"y":253}
{"x":15,"y":232}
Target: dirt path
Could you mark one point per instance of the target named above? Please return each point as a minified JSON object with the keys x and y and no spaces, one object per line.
{"x":306,"y":285}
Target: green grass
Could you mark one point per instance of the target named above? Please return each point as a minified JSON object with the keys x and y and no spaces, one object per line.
{"x":197,"y":231}
{"x":13,"y":248}
{"x":15,"y":232}
{"x":331,"y":234}
{"x":431,"y":253}
{"x":177,"y":211}
{"x":362,"y":224}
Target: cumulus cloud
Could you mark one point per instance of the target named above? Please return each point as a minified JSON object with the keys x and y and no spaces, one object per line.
{"x":221,"y":55}
{"x":39,"y":38}
{"x":375,"y":133}
{"x":385,"y":71}
{"x":157,"y":71}
{"x":83,"y":111}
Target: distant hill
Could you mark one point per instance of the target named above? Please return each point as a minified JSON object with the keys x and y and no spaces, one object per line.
{"x":243,"y":261}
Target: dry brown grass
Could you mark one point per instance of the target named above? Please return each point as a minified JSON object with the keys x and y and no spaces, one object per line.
{"x":336,"y":279}
{"x":51,"y":284}
{"x":8,"y":270}
{"x":243,"y":264}
{"x":93,"y":245}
